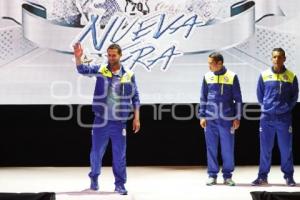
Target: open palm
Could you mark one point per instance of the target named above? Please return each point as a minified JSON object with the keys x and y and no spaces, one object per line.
{"x":78,"y":51}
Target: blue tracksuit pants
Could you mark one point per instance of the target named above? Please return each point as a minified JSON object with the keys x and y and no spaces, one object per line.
{"x":283,"y":130}
{"x":112,"y":130}
{"x":219,"y":131}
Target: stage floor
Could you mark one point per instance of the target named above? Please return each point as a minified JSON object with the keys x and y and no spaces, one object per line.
{"x":144,"y":183}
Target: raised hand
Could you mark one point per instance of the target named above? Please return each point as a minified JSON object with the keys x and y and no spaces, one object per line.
{"x":78,"y":51}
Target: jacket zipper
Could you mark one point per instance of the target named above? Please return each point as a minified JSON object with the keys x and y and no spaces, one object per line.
{"x":222,"y":87}
{"x":280,"y":84}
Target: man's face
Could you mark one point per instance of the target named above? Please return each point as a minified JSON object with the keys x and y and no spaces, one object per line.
{"x":113,"y":56}
{"x":278,"y":59}
{"x":214,"y":65}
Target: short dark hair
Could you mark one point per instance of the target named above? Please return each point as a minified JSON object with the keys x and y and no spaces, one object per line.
{"x":280,"y":50}
{"x":115,"y":46}
{"x":217,"y":56}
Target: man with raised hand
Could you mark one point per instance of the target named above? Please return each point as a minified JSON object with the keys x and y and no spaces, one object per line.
{"x":115,"y":96}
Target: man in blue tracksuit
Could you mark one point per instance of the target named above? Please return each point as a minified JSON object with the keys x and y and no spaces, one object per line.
{"x":115,"y":96}
{"x":220,"y":114}
{"x":277,"y":93}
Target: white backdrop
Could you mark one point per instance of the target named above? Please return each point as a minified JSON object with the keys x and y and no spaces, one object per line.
{"x":31,"y":73}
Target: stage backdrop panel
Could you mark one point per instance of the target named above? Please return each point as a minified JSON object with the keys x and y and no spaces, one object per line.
{"x":167,"y":46}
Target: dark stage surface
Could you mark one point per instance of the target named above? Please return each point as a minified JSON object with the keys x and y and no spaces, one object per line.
{"x":29,"y":137}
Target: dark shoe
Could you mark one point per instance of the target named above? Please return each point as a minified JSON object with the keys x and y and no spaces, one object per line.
{"x":259,"y":182}
{"x":94,"y":183}
{"x":290,"y":182}
{"x":121,"y":190}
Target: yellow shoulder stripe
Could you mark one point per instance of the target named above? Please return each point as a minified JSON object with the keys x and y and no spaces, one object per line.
{"x":269,"y":75}
{"x":227,"y":78}
{"x":107,"y":73}
{"x":127,"y":76}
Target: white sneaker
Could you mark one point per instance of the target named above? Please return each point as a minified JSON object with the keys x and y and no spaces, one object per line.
{"x":211,"y":181}
{"x":229,"y":182}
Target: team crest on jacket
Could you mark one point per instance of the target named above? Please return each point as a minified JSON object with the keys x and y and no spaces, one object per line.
{"x":226,"y":79}
{"x":270,"y":76}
